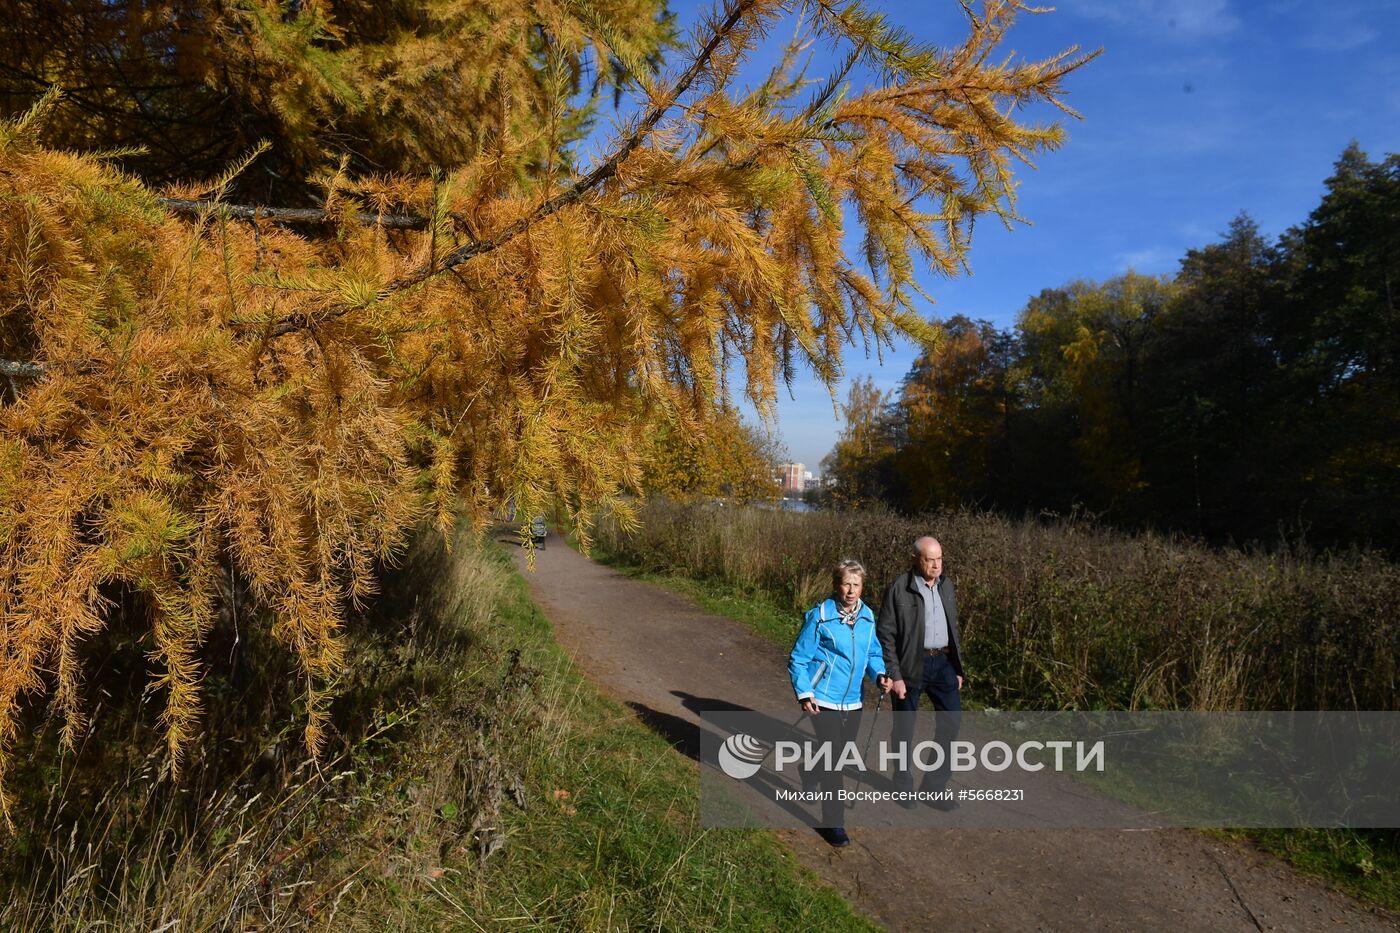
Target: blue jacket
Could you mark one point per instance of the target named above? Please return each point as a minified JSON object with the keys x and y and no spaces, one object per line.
{"x":830,"y":657}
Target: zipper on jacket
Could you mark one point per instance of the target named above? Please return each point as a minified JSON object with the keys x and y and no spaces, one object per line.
{"x":845,"y":697}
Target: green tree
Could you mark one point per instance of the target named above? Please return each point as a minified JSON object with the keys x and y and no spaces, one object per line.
{"x":1338,"y":342}
{"x":1213,"y":391}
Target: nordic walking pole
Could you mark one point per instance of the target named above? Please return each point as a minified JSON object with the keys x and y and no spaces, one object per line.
{"x":865,"y":753}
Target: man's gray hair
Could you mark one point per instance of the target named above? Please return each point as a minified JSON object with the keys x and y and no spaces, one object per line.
{"x":843,"y":567}
{"x":914,"y":549}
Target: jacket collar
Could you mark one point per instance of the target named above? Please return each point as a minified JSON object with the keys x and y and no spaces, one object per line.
{"x":912,"y":586}
{"x":832,"y":613}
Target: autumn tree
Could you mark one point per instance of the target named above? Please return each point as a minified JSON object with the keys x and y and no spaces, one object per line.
{"x":721,"y":457}
{"x":957,"y":407}
{"x":469,"y":312}
{"x":180,"y":89}
{"x":860,"y":470}
{"x":1083,"y":348}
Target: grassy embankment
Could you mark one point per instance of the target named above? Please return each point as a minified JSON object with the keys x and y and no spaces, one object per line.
{"x":477,"y":782}
{"x":1068,"y":615}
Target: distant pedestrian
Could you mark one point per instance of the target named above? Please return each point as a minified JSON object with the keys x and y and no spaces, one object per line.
{"x":918,"y":630}
{"x":835,"y":650}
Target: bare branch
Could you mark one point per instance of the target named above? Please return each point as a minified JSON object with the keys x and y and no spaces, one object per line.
{"x":289,"y":215}
{"x":21,"y":370}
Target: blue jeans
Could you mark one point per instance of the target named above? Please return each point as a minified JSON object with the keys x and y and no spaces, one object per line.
{"x":941,"y":685}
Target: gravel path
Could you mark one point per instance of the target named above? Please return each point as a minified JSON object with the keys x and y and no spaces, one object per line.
{"x":667,"y":660}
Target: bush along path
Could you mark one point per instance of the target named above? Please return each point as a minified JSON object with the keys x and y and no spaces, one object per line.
{"x":668,"y":660}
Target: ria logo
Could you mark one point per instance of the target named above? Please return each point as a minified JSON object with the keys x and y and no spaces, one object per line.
{"x":741,"y":756}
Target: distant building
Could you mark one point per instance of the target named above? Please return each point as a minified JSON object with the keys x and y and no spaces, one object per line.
{"x":795,"y":476}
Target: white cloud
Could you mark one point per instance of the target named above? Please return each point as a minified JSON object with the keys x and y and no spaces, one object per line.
{"x":1340,"y":25}
{"x":1173,"y":141}
{"x":1190,"y":67}
{"x":1196,"y":232}
{"x":1342,"y":38}
{"x":1148,"y":261}
{"x":1179,"y":19}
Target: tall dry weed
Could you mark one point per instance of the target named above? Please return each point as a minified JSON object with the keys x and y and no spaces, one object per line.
{"x":1063,"y":613}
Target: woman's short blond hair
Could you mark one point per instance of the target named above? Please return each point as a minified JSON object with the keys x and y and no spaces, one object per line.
{"x":844,"y":567}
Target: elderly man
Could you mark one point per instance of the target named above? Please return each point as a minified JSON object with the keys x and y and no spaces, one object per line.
{"x":918,"y":632}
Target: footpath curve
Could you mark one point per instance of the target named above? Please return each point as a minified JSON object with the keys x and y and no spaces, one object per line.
{"x":665,"y":658}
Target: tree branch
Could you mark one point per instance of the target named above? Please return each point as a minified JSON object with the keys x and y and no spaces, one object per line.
{"x":21,"y":370}
{"x":560,"y":201}
{"x":469,"y":251}
{"x":289,"y":215}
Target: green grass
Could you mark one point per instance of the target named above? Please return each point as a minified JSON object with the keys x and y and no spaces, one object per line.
{"x":478,"y":782}
{"x":1362,"y":863}
{"x":624,"y":850}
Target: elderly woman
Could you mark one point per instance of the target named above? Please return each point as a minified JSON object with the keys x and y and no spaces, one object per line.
{"x":835,"y":650}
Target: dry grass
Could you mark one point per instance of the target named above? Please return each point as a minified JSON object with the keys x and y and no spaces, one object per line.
{"x":1063,"y":613}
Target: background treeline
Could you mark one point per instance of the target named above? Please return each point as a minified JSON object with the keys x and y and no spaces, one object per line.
{"x":1253,"y":394}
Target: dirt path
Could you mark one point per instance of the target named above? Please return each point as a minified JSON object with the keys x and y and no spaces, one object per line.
{"x":667,"y":659}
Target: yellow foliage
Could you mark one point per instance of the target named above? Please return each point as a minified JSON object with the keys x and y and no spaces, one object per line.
{"x":720,"y":457}
{"x":857,"y":464}
{"x":192,"y":396}
{"x":1086,"y":341}
{"x":950,"y":405}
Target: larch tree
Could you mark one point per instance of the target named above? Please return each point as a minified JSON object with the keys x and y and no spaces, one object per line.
{"x":451,"y":308}
{"x":183,"y":88}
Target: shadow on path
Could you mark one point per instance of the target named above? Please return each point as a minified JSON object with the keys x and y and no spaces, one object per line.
{"x":666,"y":659}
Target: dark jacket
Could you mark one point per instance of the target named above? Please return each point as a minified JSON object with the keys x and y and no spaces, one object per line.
{"x":900,"y":628}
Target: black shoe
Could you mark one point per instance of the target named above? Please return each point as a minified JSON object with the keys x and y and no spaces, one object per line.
{"x":835,"y":837}
{"x":908,"y":803}
{"x":945,"y":804}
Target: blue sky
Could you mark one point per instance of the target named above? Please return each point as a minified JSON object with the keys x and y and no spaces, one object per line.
{"x":1195,"y":111}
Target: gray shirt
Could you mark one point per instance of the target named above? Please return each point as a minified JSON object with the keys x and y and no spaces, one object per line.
{"x":935,"y":619}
